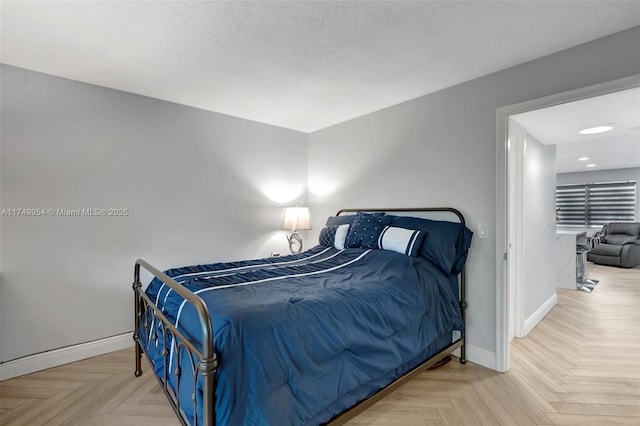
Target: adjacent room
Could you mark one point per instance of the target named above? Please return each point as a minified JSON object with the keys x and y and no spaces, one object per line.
{"x":391,"y":200}
{"x":574,"y":168}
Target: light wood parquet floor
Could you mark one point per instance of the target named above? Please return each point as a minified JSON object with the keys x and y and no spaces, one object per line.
{"x":579,"y":366}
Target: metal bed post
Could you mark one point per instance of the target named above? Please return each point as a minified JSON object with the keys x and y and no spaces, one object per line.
{"x":137,"y":286}
{"x":463,"y":309}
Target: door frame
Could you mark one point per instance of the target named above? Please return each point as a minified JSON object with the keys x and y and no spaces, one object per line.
{"x":516,"y":149}
{"x":505,"y":288}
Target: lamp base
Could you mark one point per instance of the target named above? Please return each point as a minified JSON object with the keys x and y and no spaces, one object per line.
{"x":295,"y":242}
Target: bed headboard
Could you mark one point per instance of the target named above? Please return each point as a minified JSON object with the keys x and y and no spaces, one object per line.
{"x":445,"y":210}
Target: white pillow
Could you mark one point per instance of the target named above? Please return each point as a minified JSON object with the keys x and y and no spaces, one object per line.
{"x":341,"y":236}
{"x":400,"y":240}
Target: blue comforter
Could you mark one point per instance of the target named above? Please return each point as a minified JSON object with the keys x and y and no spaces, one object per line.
{"x":301,"y":338}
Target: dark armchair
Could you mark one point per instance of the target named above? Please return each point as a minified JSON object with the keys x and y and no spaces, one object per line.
{"x":619,"y":245}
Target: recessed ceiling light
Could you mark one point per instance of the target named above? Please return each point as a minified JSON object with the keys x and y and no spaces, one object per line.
{"x":583,"y":158}
{"x":592,"y":130}
{"x":591,"y":165}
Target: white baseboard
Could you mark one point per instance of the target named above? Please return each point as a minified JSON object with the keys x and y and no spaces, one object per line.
{"x":482,"y":357}
{"x":56,"y":357}
{"x":531,"y":322}
{"x":42,"y":361}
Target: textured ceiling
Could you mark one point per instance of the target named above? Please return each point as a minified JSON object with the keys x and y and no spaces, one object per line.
{"x":300,"y":65}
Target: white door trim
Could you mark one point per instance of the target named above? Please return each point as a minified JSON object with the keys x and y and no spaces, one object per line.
{"x":502,"y":115}
{"x":516,"y":147}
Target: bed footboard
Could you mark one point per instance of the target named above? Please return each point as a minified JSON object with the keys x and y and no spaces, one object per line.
{"x":151,"y":321}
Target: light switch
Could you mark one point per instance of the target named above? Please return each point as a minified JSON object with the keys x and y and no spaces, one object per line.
{"x":482,"y":230}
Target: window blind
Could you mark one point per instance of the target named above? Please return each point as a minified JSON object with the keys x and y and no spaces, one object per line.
{"x":595,"y":204}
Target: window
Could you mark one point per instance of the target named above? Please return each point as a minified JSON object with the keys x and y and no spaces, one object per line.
{"x":595,"y":204}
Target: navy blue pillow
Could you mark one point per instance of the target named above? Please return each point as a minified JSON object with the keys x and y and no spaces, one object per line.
{"x":328,"y":235}
{"x":366,"y":229}
{"x":340,"y":220}
{"x":446,"y":243}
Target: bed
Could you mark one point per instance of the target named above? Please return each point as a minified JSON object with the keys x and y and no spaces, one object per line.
{"x":314,"y":337}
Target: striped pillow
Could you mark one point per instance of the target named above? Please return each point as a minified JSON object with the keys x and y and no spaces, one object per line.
{"x":400,"y":240}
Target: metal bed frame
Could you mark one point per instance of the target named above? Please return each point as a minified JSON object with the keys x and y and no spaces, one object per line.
{"x":204,"y":369}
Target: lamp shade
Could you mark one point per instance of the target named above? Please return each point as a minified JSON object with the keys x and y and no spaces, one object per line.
{"x":296,"y":218}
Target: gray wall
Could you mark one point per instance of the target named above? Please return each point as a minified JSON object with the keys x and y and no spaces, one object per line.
{"x":199,"y":187}
{"x":532,"y":233}
{"x":614,"y":175}
{"x":440,"y":149}
{"x":539,"y":219}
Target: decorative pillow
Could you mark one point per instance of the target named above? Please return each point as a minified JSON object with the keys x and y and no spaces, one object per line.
{"x":366,"y":229}
{"x":327,"y":236}
{"x":334,"y":236}
{"x":446,"y":244}
{"x":401,"y":240}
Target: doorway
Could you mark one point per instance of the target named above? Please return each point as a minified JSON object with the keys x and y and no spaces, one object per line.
{"x":510,"y":258}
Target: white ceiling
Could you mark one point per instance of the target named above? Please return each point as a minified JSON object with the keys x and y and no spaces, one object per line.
{"x":560,"y":124}
{"x":300,"y":65}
